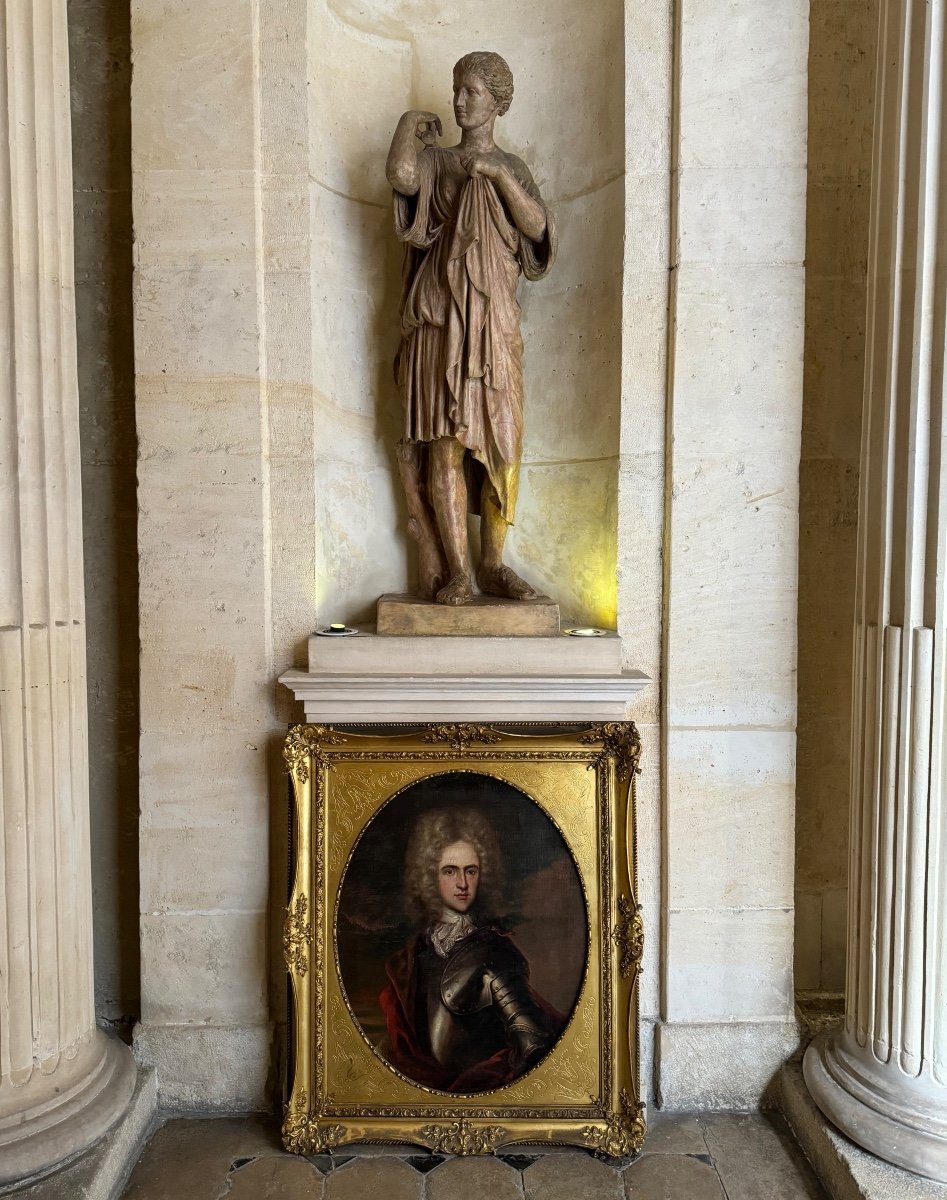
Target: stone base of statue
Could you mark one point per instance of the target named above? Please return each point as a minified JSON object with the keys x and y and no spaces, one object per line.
{"x":484,"y":616}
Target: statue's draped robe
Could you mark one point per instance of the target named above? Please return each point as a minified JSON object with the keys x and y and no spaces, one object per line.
{"x":460,"y":364}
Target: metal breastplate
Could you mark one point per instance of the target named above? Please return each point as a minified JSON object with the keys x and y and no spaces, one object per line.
{"x":457,"y":1041}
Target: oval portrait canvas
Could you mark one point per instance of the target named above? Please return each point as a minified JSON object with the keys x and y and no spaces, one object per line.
{"x":461,"y":933}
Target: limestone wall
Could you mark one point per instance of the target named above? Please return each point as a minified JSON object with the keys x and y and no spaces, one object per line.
{"x":734,"y":410}
{"x":664,"y":399}
{"x":841,"y":73}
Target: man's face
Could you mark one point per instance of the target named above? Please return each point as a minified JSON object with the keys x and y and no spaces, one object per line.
{"x":458,"y":874}
{"x":473,"y":101}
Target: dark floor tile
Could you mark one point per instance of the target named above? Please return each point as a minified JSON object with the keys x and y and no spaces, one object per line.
{"x":568,"y":1176}
{"x":756,"y":1156}
{"x":425,"y":1162}
{"x":519,"y":1162}
{"x":673,"y":1177}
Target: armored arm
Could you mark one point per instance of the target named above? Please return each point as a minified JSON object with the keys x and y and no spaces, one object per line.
{"x":488,"y":970}
{"x":527,"y":1031}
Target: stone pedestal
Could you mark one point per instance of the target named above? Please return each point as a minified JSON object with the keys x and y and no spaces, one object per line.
{"x":882,"y":1079}
{"x":484,"y":616}
{"x":404,"y":679}
{"x":63,"y":1083}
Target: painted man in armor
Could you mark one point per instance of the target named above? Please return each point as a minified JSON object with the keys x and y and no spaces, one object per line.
{"x":460,"y":1012}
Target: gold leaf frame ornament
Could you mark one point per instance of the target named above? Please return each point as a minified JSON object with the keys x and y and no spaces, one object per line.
{"x":621,"y":1134}
{"x":585,"y":1090}
{"x":301,"y":1135}
{"x":628,"y":936}
{"x":462,"y":737}
{"x":460,"y":1137}
{"x":621,"y":742}
{"x":297,"y":936}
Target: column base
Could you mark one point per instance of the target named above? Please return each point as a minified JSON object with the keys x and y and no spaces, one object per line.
{"x":899,"y":1118}
{"x":50,"y":1130}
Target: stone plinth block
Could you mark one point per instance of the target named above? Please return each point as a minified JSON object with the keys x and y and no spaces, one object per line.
{"x":484,"y":616}
{"x":394,"y":655}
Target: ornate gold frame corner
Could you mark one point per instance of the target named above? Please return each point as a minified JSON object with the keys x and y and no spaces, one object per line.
{"x":585,"y":781}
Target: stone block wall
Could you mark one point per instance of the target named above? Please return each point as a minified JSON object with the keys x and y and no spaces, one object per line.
{"x":671,"y":394}
{"x":734,"y":408}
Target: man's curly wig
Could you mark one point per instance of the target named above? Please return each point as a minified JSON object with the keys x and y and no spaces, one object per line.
{"x":433,"y":832}
{"x":494,"y":72}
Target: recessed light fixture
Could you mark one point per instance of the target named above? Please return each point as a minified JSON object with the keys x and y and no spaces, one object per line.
{"x":336,"y":629}
{"x":586,"y":631}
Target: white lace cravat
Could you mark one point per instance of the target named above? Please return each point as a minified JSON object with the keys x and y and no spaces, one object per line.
{"x":452,"y":928}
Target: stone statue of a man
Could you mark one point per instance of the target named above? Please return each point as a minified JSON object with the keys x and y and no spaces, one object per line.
{"x":472,"y":220}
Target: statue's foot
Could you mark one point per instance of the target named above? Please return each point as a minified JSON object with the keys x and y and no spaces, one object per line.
{"x":502,"y":581}
{"x":457,"y":591}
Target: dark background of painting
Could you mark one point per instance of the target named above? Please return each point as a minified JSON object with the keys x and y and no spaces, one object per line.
{"x":548,"y":915}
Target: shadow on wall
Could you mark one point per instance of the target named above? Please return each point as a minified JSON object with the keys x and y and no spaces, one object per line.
{"x":100,"y":64}
{"x":841,"y":82}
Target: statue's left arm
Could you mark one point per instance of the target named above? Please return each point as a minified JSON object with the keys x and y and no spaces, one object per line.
{"x":528,"y":213}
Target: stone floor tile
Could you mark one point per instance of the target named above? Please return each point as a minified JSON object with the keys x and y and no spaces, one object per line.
{"x":479,"y":1177}
{"x":569,"y":1176}
{"x":275,"y":1178}
{"x":191,"y":1158}
{"x":259,"y":1136}
{"x":674,"y":1133}
{"x":674,"y":1177}
{"x":756,"y":1156}
{"x":385,"y":1177}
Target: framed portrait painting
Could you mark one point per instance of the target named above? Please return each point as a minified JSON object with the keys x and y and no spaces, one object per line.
{"x":463,"y":938}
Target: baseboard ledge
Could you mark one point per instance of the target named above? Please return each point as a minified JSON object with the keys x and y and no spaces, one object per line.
{"x":721,"y":1065}
{"x":846,"y":1171}
{"x":102,"y":1171}
{"x":211,"y":1069}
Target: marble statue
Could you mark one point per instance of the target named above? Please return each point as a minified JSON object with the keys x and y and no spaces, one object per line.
{"x":472,"y":221}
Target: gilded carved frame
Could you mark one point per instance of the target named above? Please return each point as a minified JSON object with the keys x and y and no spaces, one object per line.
{"x":586,"y":1092}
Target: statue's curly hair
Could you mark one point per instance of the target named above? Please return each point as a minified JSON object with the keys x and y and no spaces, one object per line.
{"x":494,"y":72}
{"x":433,"y":832}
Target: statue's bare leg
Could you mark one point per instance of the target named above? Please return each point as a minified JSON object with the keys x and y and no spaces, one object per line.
{"x":422,"y":525}
{"x":493,"y":576}
{"x":448,"y":491}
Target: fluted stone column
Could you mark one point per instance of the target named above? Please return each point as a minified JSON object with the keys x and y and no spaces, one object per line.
{"x":882,"y":1078}
{"x":62,"y":1081}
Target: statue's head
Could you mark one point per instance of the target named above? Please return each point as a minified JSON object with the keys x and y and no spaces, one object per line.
{"x":483,"y":88}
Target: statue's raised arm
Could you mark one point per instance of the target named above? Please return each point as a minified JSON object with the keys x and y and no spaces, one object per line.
{"x":473,"y":220}
{"x":416,"y":130}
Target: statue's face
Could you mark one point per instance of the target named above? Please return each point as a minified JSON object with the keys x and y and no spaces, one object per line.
{"x":474,"y":104}
{"x":458,"y":874}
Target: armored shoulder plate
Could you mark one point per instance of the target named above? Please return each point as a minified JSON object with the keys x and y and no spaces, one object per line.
{"x":485,"y":955}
